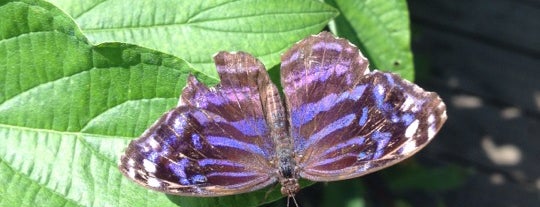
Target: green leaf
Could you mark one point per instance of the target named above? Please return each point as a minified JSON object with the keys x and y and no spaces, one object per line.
{"x":196,"y":30}
{"x":69,"y":108}
{"x":380,"y":29}
{"x":348,"y":193}
{"x":413,"y":176}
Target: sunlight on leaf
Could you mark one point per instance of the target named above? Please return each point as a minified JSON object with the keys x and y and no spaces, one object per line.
{"x":196,"y":30}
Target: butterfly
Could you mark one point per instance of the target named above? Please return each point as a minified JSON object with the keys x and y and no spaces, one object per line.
{"x":338,"y":120}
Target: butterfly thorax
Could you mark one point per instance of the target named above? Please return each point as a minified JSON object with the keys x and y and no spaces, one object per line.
{"x":288,"y":176}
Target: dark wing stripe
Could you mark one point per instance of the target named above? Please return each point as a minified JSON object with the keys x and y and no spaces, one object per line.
{"x":357,"y":141}
{"x":333,"y":160}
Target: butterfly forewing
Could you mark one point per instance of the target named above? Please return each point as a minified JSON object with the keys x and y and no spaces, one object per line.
{"x":346,"y":121}
{"x":312,"y":71}
{"x":216,"y":142}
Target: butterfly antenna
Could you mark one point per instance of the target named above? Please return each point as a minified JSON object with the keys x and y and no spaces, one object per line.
{"x":294,"y":200}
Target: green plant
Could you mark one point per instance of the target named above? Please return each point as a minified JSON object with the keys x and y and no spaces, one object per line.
{"x":70,"y":102}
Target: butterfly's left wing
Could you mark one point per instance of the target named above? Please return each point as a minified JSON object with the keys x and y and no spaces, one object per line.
{"x":217,"y":141}
{"x":346,"y":121}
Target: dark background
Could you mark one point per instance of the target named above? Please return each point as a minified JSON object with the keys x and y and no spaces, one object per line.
{"x":483,"y":58}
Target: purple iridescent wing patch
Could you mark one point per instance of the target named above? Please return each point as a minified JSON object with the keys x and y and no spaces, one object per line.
{"x":339,"y":121}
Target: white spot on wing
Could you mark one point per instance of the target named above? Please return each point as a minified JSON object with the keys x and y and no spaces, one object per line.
{"x":180,"y":102}
{"x":408,"y":103}
{"x":146,"y":148}
{"x":131,"y":162}
{"x":131,"y":173}
{"x":380,"y":89}
{"x":364,"y":167}
{"x":409,"y":147}
{"x":153,"y":182}
{"x":411,"y":129}
{"x":153,"y":143}
{"x":415,"y":107}
{"x":431,"y":119}
{"x":367,"y":69}
{"x":431,"y":129}
{"x":149,"y":166}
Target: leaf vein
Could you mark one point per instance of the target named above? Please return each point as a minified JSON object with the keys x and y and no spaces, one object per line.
{"x":39,"y":184}
{"x":88,"y":9}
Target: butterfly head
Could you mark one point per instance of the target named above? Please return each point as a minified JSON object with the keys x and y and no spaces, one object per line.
{"x":289,"y":187}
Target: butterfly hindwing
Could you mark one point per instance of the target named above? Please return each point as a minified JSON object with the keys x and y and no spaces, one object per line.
{"x":345,"y":125}
{"x":216,"y":142}
{"x":381,"y":121}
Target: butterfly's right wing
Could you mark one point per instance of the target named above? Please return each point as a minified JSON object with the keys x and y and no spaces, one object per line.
{"x":347,"y":121}
{"x":216,"y":142}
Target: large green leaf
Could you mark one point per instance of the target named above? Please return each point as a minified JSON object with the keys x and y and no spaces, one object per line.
{"x":69,"y":108}
{"x":195,"y":30}
{"x":380,"y":29}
